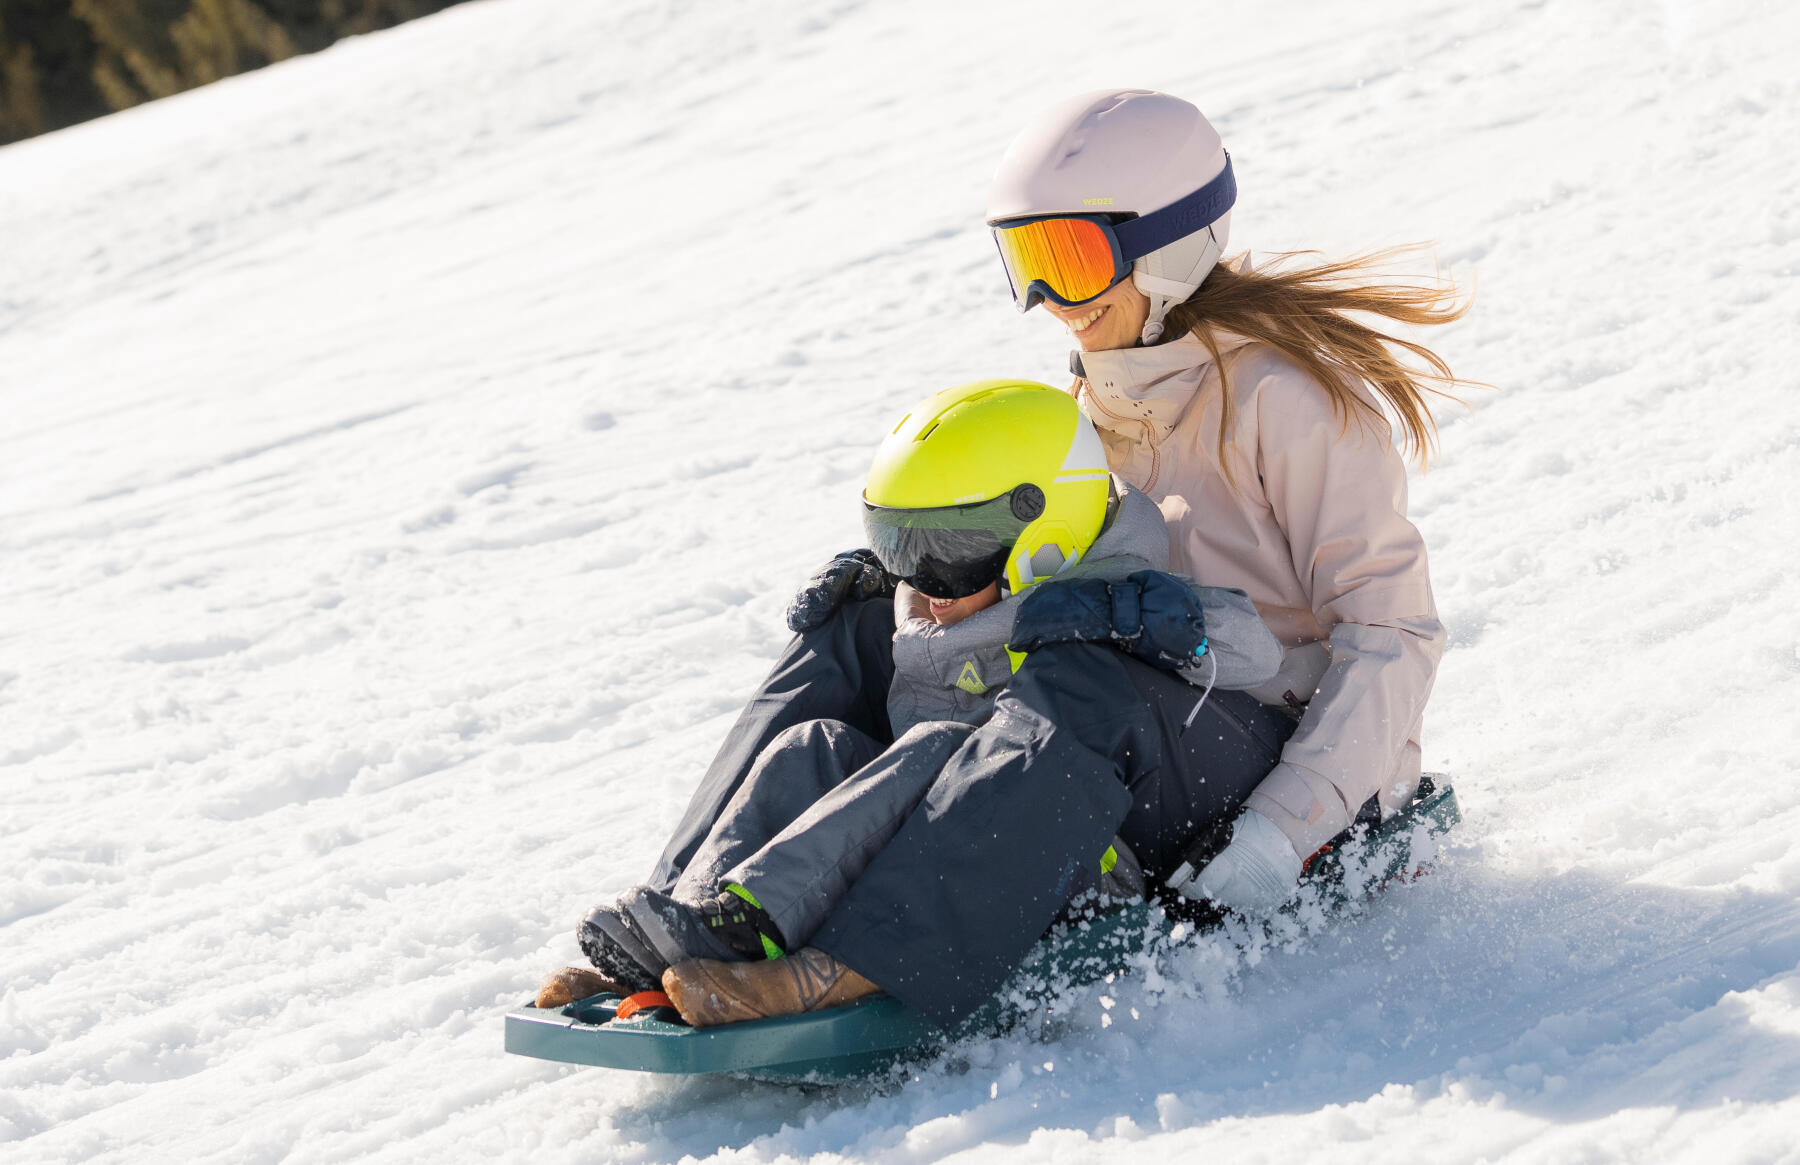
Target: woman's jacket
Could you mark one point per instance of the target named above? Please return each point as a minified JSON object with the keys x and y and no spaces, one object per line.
{"x":956,"y":672}
{"x":1314,"y":531}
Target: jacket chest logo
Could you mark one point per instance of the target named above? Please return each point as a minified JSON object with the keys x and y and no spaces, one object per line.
{"x":970,"y":680}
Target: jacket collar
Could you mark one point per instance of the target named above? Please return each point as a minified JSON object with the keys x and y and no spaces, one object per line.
{"x":1133,"y":387}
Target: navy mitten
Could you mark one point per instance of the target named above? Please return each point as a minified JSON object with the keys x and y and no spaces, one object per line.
{"x":1152,"y":615}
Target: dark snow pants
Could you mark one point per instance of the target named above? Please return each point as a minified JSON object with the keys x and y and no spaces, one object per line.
{"x":840,"y":671}
{"x":1084,"y":743}
{"x":821,"y":801}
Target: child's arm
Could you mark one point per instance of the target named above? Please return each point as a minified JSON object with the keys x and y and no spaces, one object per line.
{"x":1244,"y":651}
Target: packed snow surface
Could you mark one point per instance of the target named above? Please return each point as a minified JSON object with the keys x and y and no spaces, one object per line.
{"x":408,"y":452}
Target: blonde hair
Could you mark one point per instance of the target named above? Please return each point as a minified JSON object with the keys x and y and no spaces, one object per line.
{"x":1308,"y":313}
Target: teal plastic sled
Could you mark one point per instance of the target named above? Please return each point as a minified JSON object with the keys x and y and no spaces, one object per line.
{"x":867,"y":1036}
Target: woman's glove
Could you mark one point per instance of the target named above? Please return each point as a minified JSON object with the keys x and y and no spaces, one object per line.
{"x":854,"y":574}
{"x":1253,"y":875}
{"x":1151,"y":615}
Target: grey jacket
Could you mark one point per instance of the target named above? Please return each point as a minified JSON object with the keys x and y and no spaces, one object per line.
{"x":955,"y":672}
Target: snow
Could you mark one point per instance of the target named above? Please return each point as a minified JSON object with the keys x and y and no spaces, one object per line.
{"x":409,"y":450}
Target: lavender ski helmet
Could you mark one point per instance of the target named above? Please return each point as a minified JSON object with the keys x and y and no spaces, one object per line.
{"x":1117,"y":152}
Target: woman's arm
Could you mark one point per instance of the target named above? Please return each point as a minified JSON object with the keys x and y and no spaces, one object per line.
{"x":1339,"y":494}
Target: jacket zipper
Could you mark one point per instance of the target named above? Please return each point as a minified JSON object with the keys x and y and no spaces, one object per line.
{"x":1149,"y":435}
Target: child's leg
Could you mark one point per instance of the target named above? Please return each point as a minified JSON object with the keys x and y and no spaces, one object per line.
{"x":1085,"y":743}
{"x":839,"y":671}
{"x":801,"y":765}
{"x":805,"y":870}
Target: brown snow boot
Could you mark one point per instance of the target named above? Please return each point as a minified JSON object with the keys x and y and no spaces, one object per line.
{"x":709,"y":992}
{"x":564,"y":987}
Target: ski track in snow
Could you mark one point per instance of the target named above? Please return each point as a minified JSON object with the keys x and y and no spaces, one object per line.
{"x":410,"y":450}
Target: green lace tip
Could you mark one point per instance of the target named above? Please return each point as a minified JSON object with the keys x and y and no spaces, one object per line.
{"x":741,"y":892}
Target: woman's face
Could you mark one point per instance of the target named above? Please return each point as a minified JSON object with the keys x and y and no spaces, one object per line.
{"x":944,"y":612}
{"x":1114,"y":320}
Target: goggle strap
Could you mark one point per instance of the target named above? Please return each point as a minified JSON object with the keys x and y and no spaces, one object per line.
{"x":1151,"y":232}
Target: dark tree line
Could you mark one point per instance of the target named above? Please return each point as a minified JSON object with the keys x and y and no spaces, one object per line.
{"x":64,"y":61}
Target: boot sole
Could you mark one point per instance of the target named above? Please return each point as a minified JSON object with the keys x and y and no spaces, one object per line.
{"x":618,"y":930}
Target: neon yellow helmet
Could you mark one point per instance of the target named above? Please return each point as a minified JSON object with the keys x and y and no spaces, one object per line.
{"x":999,"y":478}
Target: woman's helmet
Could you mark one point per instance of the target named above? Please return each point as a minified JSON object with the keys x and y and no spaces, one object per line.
{"x":1113,"y":183}
{"x":999,"y":478}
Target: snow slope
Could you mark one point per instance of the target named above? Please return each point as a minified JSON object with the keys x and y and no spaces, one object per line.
{"x":408,"y":451}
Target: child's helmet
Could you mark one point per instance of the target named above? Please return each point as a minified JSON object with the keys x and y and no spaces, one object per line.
{"x":999,"y":478}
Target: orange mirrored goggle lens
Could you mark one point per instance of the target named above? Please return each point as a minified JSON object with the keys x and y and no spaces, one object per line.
{"x":1072,"y":257}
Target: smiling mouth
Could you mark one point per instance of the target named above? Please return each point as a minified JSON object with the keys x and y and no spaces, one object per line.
{"x":1082,"y":323}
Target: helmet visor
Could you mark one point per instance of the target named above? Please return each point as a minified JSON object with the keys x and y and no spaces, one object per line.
{"x":945,"y":552}
{"x":1070,"y":259}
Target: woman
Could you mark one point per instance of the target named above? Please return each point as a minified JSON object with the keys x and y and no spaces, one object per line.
{"x":1248,"y":407}
{"x":1255,"y":424}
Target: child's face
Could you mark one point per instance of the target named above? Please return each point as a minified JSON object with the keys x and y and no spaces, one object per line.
{"x":944,"y":612}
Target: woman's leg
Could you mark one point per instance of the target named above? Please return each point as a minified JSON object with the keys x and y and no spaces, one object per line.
{"x":1084,"y":743}
{"x":839,"y":671}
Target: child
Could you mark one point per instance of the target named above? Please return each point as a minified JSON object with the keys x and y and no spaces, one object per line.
{"x":978,"y":494}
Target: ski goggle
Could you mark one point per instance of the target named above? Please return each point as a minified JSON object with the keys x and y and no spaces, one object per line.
{"x":1072,"y":258}
{"x":951,"y":552}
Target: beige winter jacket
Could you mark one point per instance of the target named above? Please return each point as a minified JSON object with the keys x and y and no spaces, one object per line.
{"x":1316,"y":533}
